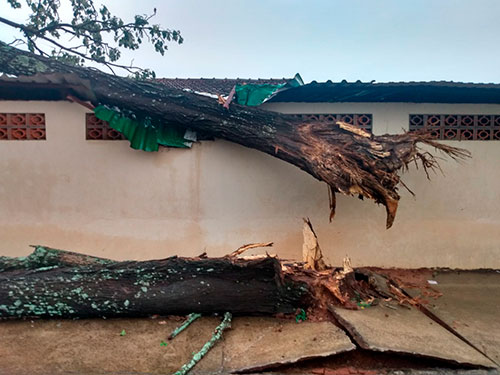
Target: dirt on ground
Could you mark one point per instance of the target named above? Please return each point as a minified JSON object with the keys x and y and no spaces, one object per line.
{"x":366,"y":362}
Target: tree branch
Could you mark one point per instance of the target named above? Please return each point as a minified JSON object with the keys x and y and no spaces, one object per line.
{"x":349,"y":162}
{"x":45,"y":24}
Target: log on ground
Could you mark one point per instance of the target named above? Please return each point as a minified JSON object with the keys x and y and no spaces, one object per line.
{"x":56,"y":283}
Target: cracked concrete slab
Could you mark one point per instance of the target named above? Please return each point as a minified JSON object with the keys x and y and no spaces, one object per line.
{"x":470,"y":304}
{"x":257,"y":343}
{"x":95,"y":346}
{"x":406,"y":331}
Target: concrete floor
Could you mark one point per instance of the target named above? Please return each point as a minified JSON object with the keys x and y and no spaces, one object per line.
{"x":406,"y":330}
{"x":97,"y":346}
{"x":470,"y":305}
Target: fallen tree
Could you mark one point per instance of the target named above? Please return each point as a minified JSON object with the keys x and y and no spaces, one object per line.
{"x":64,"y":284}
{"x":56,"y":283}
{"x":348,"y":159}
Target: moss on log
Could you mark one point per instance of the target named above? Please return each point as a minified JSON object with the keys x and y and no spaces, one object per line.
{"x":55,"y":283}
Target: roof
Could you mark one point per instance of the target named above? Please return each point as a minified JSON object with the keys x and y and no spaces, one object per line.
{"x":54,"y":86}
{"x":58,"y":86}
{"x":412,"y":92}
{"x":222,"y":86}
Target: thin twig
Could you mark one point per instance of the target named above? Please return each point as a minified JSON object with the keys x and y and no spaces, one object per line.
{"x":190,"y":319}
{"x":249,"y":246}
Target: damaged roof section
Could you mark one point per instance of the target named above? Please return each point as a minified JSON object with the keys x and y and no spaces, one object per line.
{"x":144,"y":134}
{"x":248,"y":92}
{"x":217,"y":86}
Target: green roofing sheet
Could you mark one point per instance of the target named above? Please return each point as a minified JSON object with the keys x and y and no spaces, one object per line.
{"x":142,"y":134}
{"x":254,"y":94}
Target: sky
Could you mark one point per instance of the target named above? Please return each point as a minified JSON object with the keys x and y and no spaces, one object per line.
{"x":381,"y":40}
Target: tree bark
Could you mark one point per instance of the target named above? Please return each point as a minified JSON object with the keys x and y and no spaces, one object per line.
{"x":56,"y":283}
{"x":349,"y":160}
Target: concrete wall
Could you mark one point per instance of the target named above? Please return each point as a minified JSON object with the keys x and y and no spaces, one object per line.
{"x":105,"y":199}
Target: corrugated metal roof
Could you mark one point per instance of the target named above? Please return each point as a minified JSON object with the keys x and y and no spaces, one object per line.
{"x":216,"y":86}
{"x":412,"y":92}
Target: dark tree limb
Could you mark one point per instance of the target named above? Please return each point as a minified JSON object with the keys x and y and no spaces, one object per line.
{"x":349,"y":160}
{"x":55,"y":283}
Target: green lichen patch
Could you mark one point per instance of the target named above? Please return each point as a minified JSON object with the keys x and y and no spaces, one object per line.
{"x":46,"y":259}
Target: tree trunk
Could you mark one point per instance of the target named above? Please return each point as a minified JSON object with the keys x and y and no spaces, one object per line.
{"x":55,"y":283}
{"x":349,"y":160}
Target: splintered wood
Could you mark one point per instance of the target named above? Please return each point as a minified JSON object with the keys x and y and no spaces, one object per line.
{"x":311,"y":252}
{"x":249,"y":246}
{"x":346,"y":287}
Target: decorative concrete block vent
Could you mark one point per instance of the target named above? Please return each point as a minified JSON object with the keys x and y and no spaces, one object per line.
{"x":22,"y":126}
{"x":96,"y":129}
{"x":459,"y":127}
{"x":361,"y":120}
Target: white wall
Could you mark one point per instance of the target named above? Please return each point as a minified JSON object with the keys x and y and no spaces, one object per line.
{"x":105,"y":199}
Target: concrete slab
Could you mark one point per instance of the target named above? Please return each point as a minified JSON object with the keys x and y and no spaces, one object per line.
{"x":95,"y":346}
{"x":257,"y":343}
{"x":470,"y":304}
{"x":406,"y":331}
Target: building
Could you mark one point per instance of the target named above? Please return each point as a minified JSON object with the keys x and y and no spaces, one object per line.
{"x":71,"y":182}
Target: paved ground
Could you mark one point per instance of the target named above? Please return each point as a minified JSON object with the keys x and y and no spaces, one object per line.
{"x":255,"y":343}
{"x":97,"y":346}
{"x":470,"y":305}
{"x":406,"y":330}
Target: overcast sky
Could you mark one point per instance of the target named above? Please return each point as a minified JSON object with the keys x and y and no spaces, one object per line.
{"x":382,"y":40}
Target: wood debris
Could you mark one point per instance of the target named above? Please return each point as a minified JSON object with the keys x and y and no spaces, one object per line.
{"x":311,"y":252}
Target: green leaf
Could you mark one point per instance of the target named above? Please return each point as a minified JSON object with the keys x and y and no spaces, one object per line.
{"x":301,"y":316}
{"x":14,"y":4}
{"x":89,"y":30}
